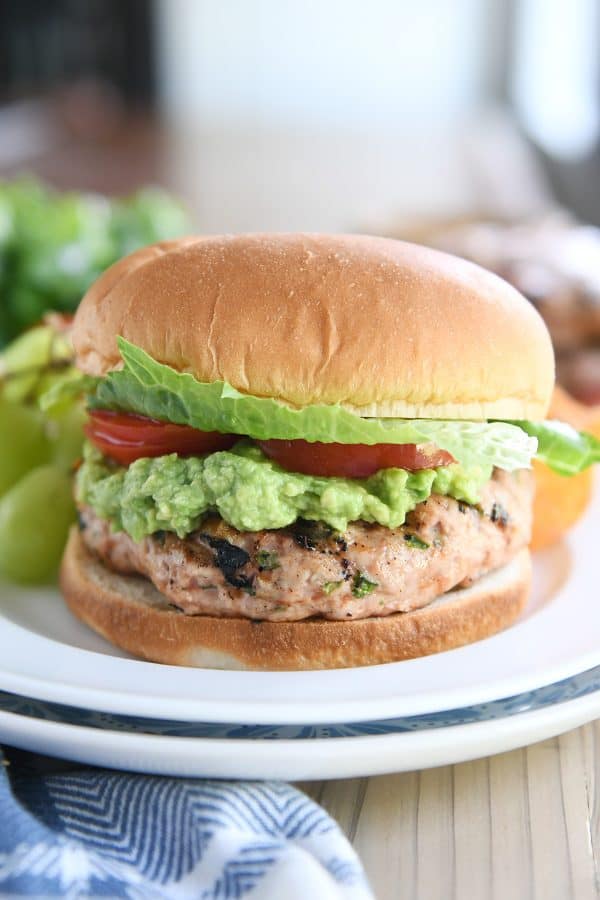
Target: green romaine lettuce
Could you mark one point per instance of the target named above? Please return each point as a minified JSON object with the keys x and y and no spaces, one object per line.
{"x":153,"y":389}
{"x":150,"y":388}
{"x":62,"y":394}
{"x":54,"y":245}
{"x":563,"y":448}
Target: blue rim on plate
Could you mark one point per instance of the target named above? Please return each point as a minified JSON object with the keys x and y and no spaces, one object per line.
{"x":569,"y":689}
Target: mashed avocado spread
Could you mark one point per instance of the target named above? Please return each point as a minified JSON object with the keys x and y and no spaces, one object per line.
{"x":250,"y":492}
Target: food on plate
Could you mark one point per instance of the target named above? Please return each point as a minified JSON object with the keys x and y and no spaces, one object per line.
{"x":37,"y":452}
{"x":307,"y":451}
{"x":54,"y":245}
{"x":559,"y":502}
{"x":24,"y":443}
{"x":35,"y":517}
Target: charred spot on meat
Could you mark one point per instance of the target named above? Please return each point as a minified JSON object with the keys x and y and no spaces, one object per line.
{"x":499,"y":514}
{"x":229,"y":559}
{"x":314,"y":536}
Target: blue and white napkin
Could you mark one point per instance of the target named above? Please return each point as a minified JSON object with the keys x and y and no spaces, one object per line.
{"x":98,"y":833}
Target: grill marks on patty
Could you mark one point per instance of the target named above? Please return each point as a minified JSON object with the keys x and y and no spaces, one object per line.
{"x":229,"y":558}
{"x":307,"y":570}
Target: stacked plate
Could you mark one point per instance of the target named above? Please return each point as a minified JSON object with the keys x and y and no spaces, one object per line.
{"x":66,"y":692}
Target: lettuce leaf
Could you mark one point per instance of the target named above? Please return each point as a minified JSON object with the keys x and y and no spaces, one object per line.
{"x":563,"y":448}
{"x":71,"y":387}
{"x":153,"y":389}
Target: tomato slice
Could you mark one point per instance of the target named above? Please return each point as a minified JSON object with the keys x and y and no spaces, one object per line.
{"x":126,"y":437}
{"x":353,"y":460}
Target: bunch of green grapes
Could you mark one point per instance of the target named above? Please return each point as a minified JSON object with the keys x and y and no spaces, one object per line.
{"x":37,"y":454}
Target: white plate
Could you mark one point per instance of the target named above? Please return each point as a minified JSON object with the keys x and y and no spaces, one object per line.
{"x":45,"y":653}
{"x":300,"y":753}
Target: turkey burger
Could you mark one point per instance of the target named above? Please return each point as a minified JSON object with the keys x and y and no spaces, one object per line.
{"x":306,"y":451}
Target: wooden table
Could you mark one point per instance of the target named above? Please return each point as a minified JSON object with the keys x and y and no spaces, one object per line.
{"x":516,"y":826}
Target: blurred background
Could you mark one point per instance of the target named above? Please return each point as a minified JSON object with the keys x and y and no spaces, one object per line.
{"x":445,"y":121}
{"x":273,"y":114}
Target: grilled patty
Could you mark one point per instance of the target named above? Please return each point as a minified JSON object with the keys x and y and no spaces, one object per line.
{"x":307,"y":570}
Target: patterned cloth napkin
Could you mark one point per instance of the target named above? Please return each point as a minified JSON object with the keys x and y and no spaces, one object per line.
{"x":85,"y":832}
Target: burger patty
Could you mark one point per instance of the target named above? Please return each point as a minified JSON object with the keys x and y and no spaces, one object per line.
{"x":307,"y":570}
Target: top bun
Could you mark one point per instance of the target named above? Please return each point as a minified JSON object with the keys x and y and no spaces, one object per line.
{"x":383,"y":327}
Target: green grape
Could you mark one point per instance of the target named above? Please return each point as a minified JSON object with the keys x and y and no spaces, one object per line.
{"x":35,"y":516}
{"x":47,"y":380}
{"x":66,"y":436}
{"x":30,"y":360}
{"x":23,"y":442}
{"x":29,"y":350}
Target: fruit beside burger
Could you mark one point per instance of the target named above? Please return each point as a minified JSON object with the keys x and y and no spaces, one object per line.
{"x":560,"y":502}
{"x":307,"y":451}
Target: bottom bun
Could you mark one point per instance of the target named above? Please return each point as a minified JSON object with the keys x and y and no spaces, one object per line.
{"x":129,"y":612}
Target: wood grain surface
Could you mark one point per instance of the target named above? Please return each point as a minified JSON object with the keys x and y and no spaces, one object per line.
{"x":523,"y":825}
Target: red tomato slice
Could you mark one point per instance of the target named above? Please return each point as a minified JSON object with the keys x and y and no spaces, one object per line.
{"x":127,"y":437}
{"x":353,"y":460}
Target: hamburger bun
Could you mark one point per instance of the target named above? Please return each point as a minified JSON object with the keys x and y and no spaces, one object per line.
{"x":383,"y":327}
{"x":129,"y":612}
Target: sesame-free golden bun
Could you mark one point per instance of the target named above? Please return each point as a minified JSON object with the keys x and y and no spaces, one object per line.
{"x":383,"y":327}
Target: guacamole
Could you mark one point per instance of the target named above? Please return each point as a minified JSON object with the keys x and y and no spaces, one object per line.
{"x":250,"y":492}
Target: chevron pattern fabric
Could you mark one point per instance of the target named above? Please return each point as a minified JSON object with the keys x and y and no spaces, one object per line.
{"x":95,"y":833}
